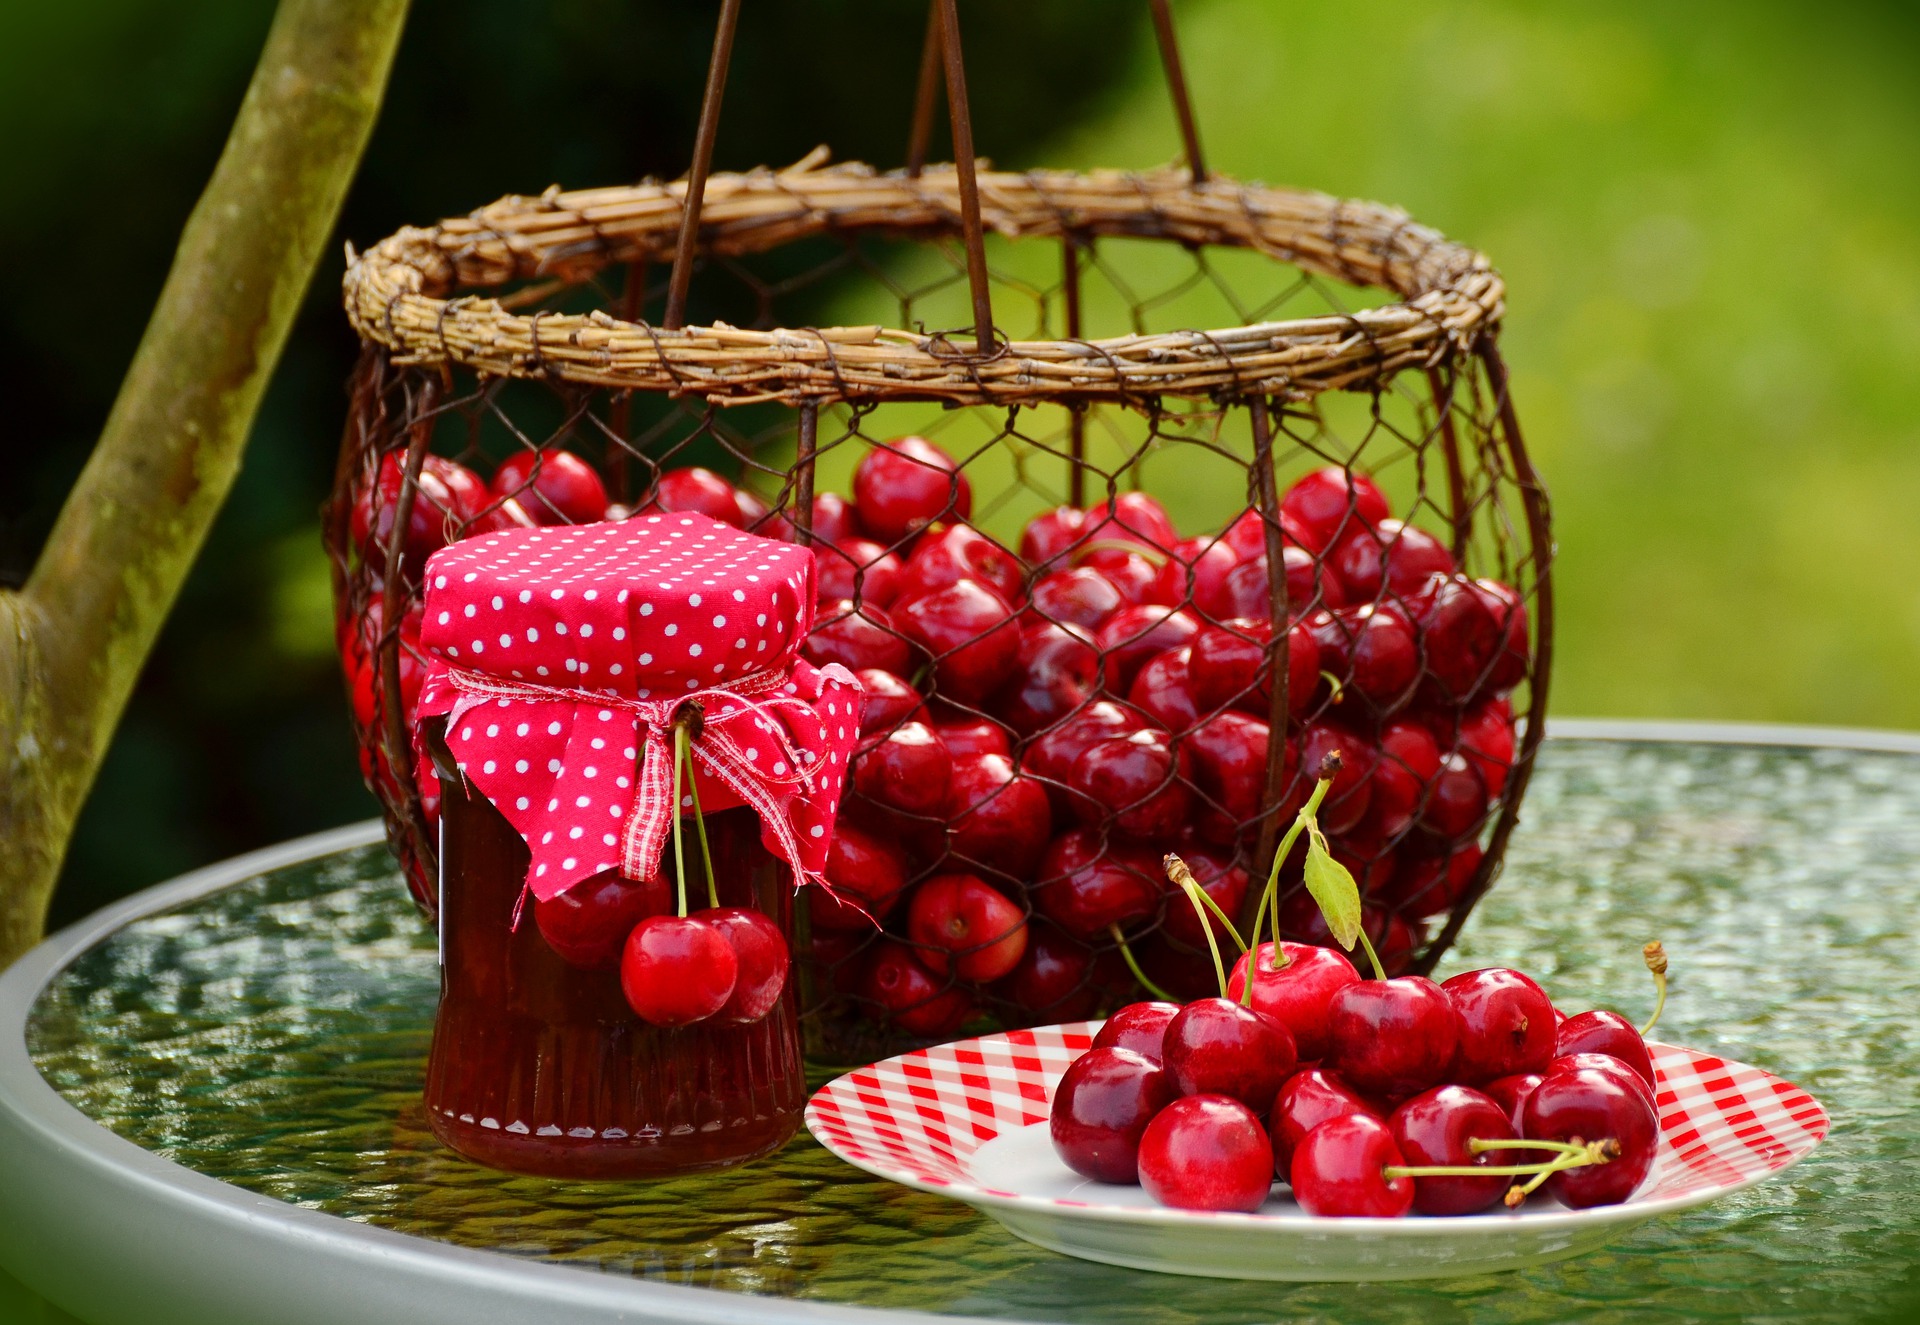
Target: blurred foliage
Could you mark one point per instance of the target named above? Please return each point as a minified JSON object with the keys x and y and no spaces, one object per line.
{"x":1706,"y":214}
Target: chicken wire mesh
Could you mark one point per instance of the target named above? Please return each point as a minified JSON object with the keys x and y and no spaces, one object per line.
{"x":1057,"y":564}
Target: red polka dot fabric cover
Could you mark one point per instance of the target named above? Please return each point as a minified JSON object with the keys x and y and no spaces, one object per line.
{"x":561,"y":656}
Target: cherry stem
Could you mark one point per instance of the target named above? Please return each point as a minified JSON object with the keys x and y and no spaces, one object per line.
{"x":1379,"y":971}
{"x":1200,"y":897}
{"x":1333,"y":683}
{"x":1271,"y":897}
{"x":1480,"y":1145}
{"x":1126,"y":955}
{"x":1177,"y":871}
{"x":1656,"y":959}
{"x":679,"y":862}
{"x":1153,"y":556}
{"x":700,"y":825}
{"x":1578,"y":1157}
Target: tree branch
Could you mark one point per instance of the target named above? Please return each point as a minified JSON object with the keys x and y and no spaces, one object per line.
{"x":73,"y":640}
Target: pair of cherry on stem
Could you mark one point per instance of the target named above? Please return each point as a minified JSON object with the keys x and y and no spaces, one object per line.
{"x":725,"y":964}
{"x":1203,"y":1104}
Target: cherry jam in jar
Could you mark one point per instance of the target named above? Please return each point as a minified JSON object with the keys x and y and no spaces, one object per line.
{"x":541,"y":1067}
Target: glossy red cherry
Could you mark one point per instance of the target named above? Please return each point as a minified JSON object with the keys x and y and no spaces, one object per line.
{"x":1000,"y":819}
{"x":695,"y":489}
{"x":1228,"y":666}
{"x":1406,"y":759}
{"x":1456,"y":800}
{"x":760,"y":953}
{"x":1141,"y":1027}
{"x":588,"y":924}
{"x":904,"y":485}
{"x":859,"y":638}
{"x":1206,"y":1152}
{"x":1339,"y":1170}
{"x":1056,"y":673}
{"x":1220,"y":879}
{"x":856,"y":568}
{"x":1053,"y":981}
{"x":1086,"y":887}
{"x":1487,"y":743}
{"x":1348,"y":798}
{"x":1247,"y":534}
{"x":1607,"y":1063}
{"x":1132,"y":573}
{"x":1132,"y":517}
{"x":907,"y":769}
{"x":446,"y":497}
{"x":1505,"y":1023}
{"x":971,"y":635}
{"x":553,"y":486}
{"x":1134,"y":783}
{"x":1217,"y":1047}
{"x":1101,"y":1109}
{"x":834,"y":519}
{"x":676,"y":970}
{"x":1195,"y":576}
{"x":967,"y":735}
{"x":1371,"y":650}
{"x":1329,"y":502}
{"x":890,"y":701}
{"x":1603,"y":1032}
{"x":1075,"y":596}
{"x":910,"y":996}
{"x":1229,"y":757}
{"x":868,"y":871}
{"x":1514,"y":656}
{"x":1163,"y":690}
{"x":1390,"y":558}
{"x":1458,"y":635}
{"x":1135,"y":634}
{"x":1299,"y":993}
{"x":1436,"y":1127}
{"x":1247,"y":593}
{"x":1048,"y":538}
{"x":1308,"y":1098}
{"x":1511,"y":1092}
{"x":960,"y":922}
{"x":1391,"y":1037}
{"x":1052,"y":754}
{"x":959,"y":552}
{"x":1592,"y":1106}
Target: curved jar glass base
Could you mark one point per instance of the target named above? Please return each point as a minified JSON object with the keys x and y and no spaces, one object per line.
{"x":540,"y":1067}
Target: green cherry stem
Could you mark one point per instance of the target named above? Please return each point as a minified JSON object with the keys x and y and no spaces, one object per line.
{"x":679,"y":861}
{"x":1480,"y":1145}
{"x":1271,"y":897}
{"x":1656,"y":959}
{"x":700,"y":825}
{"x":1126,"y":955}
{"x":1183,"y":877}
{"x":1200,"y":898}
{"x":1598,"y":1152}
{"x":1373,"y":958}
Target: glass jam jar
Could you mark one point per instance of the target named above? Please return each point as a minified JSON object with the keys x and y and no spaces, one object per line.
{"x":540,"y":1067}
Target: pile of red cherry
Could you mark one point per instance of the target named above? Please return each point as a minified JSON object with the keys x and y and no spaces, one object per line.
{"x":1368,"y":1097}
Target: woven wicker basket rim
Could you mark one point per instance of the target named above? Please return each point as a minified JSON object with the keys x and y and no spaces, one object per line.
{"x":409,"y":292}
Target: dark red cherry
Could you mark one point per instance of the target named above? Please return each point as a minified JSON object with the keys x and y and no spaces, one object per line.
{"x":553,"y":486}
{"x":1075,"y":596}
{"x":1592,"y":1106}
{"x":1505,"y":1023}
{"x":1163,"y":691}
{"x":967,"y":735}
{"x":1053,"y":752}
{"x":1390,"y":558}
{"x":1228,"y":666}
{"x":1228,"y":753}
{"x":1456,"y":800}
{"x":1510,"y":614}
{"x":855,"y":568}
{"x":908,"y":769}
{"x":1511,"y":1092}
{"x":1487,"y":742}
{"x":1310,"y":1097}
{"x":971,"y":635}
{"x":1206,"y":1152}
{"x":1220,"y":879}
{"x":906,"y":484}
{"x":1299,"y":993}
{"x":1195,"y":576}
{"x":1393,"y":938}
{"x":695,"y":489}
{"x":1247,"y":534}
{"x":858,"y":638}
{"x":1458,"y":635}
{"x":1056,"y":673}
{"x":754,"y":513}
{"x":447,"y":496}
{"x":1135,"y":634}
{"x":959,"y":552}
{"x":1371,"y":650}
{"x":1000,"y":819}
{"x":1603,"y":1032}
{"x":1391,"y":1037}
{"x":588,"y":924}
{"x":676,"y":970}
{"x":834,"y":519}
{"x":1339,"y":1170}
{"x":1052,"y":982}
{"x":1609,"y":1064}
{"x":1348,"y":798}
{"x":1217,"y":1047}
{"x":760,"y":952}
{"x":1247,"y":593}
{"x":1050,"y":537}
{"x":910,"y":996}
{"x":890,"y":701}
{"x":1102,"y":1108}
{"x":1141,"y":1027}
{"x":1134,"y":783}
{"x":1435,"y":1127}
{"x":959,"y":921}
{"x":867,"y":870}
{"x":1132,"y":517}
{"x":1329,"y":502}
{"x":1428,"y":885}
{"x":1407,"y":759}
{"x":1086,"y":887}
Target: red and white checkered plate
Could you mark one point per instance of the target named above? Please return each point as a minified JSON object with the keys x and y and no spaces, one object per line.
{"x":968,"y":1120}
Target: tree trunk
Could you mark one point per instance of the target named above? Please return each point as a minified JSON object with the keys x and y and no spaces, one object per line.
{"x":74,"y":638}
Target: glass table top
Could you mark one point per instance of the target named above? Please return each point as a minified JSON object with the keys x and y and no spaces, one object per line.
{"x":273,"y":1035}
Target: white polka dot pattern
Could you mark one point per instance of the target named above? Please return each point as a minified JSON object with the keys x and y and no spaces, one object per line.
{"x":577,"y":642}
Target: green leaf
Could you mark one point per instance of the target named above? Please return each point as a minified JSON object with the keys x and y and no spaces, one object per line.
{"x":1330,"y":885}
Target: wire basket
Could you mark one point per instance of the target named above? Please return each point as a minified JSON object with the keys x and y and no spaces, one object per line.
{"x":1108,"y":475}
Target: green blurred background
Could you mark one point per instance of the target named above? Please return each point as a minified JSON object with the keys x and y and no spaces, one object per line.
{"x":1708,"y":215}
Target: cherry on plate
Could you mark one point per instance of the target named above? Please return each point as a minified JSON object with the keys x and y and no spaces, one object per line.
{"x":1505,"y":1023}
{"x":1391,"y":1037}
{"x":1308,"y":1098}
{"x":1298,"y":992}
{"x":1603,"y":1032}
{"x":1511,"y":1092}
{"x":1101,"y":1109}
{"x":1141,"y":1027}
{"x":1339,"y":1170}
{"x":1217,"y":1047}
{"x":676,"y":970}
{"x":1610,"y":1065}
{"x":1206,"y":1152}
{"x":1593,"y":1106}
{"x":1436,"y":1127}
